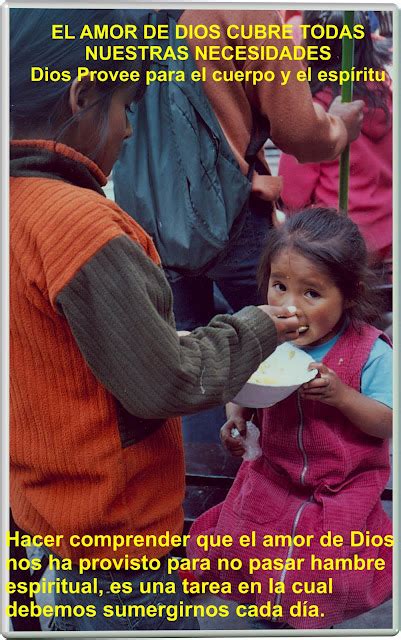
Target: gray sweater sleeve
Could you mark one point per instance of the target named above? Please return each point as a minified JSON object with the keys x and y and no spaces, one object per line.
{"x":119,"y":309}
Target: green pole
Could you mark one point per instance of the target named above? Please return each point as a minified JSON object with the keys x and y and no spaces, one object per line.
{"x":346,"y":96}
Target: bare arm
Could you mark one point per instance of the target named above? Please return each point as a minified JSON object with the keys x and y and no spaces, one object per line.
{"x":370,"y":416}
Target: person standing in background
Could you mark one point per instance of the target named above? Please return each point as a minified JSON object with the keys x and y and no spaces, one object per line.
{"x":295,"y":125}
{"x":370,"y":199}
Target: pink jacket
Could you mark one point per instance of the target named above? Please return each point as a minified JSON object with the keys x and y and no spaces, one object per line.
{"x":317,"y":473}
{"x":370,"y":185}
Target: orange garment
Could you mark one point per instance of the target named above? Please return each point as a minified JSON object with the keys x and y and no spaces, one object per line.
{"x":57,"y":404}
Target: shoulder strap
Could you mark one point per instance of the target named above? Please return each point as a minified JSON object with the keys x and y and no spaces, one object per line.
{"x":175,"y":13}
{"x":164,"y":14}
{"x":260,"y":133}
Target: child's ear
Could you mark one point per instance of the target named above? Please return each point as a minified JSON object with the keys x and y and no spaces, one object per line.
{"x":82,"y":94}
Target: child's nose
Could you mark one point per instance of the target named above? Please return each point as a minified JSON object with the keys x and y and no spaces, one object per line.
{"x":291,"y":300}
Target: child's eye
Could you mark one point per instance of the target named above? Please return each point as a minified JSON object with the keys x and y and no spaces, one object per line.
{"x":312,"y":294}
{"x":279,"y":286}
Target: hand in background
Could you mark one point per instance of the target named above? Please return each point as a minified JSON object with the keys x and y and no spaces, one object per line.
{"x":367,"y":414}
{"x":326,"y":387}
{"x":351,"y":113}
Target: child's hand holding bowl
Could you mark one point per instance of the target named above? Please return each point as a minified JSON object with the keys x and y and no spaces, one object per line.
{"x":326,"y":387}
{"x":285,"y":319}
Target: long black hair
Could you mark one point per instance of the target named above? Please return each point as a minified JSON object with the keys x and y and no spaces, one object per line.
{"x":43,"y":104}
{"x":367,"y":53}
{"x":334,"y":243}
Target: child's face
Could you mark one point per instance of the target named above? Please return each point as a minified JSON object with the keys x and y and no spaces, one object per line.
{"x":118,"y":129}
{"x":295,"y":280}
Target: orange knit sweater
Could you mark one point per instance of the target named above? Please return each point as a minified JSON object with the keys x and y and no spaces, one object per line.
{"x":57,"y":404}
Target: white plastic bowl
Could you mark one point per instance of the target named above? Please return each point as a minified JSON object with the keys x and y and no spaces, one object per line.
{"x":277,"y":377}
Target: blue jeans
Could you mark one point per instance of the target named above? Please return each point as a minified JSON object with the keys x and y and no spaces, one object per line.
{"x":195,"y":300}
{"x":106,"y":598}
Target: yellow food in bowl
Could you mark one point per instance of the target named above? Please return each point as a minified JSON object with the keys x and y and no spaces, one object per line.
{"x":279,"y":369}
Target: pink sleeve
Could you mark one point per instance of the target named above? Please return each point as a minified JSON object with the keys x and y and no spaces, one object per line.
{"x":299,"y":182}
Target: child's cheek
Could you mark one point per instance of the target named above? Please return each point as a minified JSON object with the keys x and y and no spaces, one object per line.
{"x":272,"y":298}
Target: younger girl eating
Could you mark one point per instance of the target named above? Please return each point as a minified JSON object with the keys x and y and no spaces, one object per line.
{"x":325,"y":458}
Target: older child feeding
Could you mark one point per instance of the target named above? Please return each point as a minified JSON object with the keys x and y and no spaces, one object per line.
{"x":98,"y":374}
{"x":325,"y":459}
